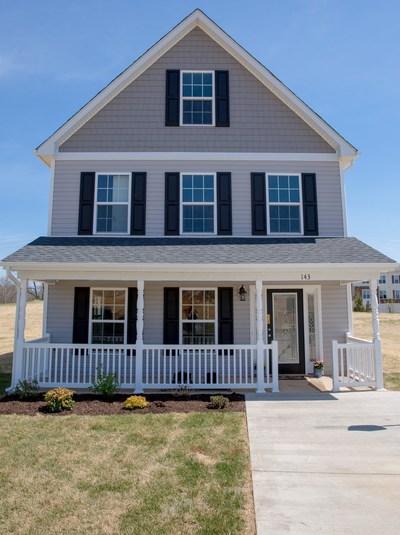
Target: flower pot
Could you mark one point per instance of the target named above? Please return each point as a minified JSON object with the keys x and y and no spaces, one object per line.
{"x":318,"y":372}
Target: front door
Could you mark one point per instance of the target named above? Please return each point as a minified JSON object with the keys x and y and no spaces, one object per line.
{"x":285,"y":324}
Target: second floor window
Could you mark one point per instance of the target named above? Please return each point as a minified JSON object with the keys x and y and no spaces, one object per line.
{"x":112,"y":203}
{"x":284,"y":204}
{"x":198,"y":203}
{"x":396,"y":279}
{"x":197,"y":98}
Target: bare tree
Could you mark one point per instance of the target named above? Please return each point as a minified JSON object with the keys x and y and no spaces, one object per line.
{"x":36,"y":290}
{"x":8,"y":291}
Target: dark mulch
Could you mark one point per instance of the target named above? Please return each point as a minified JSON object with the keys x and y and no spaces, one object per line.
{"x":96,"y":405}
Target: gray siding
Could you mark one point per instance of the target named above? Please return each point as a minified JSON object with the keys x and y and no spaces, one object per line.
{"x":60,"y":310}
{"x":67,"y":184}
{"x":61,"y":307}
{"x":134,"y":120}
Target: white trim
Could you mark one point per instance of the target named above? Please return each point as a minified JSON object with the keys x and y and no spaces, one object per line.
{"x":299,"y":204}
{"x":117,"y":203}
{"x":45,"y":308}
{"x":182,"y":98}
{"x":91,"y":320}
{"x":51,"y":194}
{"x":343,"y":195}
{"x":203,"y":156}
{"x":196,"y":19}
{"x":215,"y":321}
{"x":182,"y":203}
{"x":350,"y":309}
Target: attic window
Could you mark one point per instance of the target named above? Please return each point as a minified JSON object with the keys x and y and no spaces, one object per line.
{"x":197,"y":97}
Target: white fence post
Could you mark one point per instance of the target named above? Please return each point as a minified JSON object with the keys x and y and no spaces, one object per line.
{"x":260,"y":343}
{"x":20,"y":335}
{"x":378,"y":364}
{"x":139,"y":338}
{"x":275,"y":372}
{"x":335,"y":366}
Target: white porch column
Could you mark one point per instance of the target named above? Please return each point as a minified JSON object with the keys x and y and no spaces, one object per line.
{"x":19,"y":332}
{"x":260,"y":342}
{"x":373,"y":286}
{"x":139,"y":337}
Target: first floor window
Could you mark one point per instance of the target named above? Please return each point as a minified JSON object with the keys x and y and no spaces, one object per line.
{"x":112,"y":203}
{"x":382,"y":279}
{"x":396,"y":294}
{"x":198,"y":316}
{"x":383,"y":294}
{"x":108,"y":316}
{"x":284,"y":204}
{"x":198,"y":203}
{"x":366,"y":294}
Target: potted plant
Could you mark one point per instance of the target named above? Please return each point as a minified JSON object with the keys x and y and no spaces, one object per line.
{"x":318,"y":368}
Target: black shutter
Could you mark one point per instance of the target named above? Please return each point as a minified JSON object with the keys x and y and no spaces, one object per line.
{"x":138,"y":204}
{"x":86,"y":204}
{"x":171,"y":204}
{"x":221,"y":98}
{"x":132,"y":315}
{"x":171,"y":315}
{"x":225,"y":315}
{"x":224,"y":204}
{"x":310,"y":208}
{"x":172,"y":98}
{"x":258,"y":204}
{"x":80,"y":334}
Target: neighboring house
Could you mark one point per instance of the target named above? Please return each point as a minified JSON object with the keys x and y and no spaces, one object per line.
{"x":197,"y":231}
{"x":388,"y":292}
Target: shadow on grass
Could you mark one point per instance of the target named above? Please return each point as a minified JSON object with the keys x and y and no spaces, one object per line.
{"x":5,"y":372}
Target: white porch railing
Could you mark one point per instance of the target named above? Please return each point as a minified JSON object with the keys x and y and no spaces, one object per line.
{"x":354,"y":363}
{"x":151,"y":366}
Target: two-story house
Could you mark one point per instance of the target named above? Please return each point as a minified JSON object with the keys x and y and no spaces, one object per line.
{"x":197,"y":231}
{"x":388,"y":292}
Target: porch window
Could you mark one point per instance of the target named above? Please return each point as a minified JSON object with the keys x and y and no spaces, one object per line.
{"x":284,"y":204}
{"x":198,"y":203}
{"x":197,"y":98}
{"x":198,"y":316}
{"x":112,"y":203}
{"x":108,"y":316}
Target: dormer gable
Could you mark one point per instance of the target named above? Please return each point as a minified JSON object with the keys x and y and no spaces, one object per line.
{"x":129,"y":114}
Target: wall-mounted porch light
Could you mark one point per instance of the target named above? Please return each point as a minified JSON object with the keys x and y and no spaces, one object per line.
{"x":242,"y":293}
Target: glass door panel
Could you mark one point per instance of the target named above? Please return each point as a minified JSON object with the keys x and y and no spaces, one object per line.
{"x":285,"y":327}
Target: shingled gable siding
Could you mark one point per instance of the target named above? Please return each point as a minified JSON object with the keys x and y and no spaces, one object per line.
{"x":67,"y":178}
{"x":135,"y":119}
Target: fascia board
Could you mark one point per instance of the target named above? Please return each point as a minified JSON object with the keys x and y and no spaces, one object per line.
{"x":293,"y":272}
{"x":197,"y":18}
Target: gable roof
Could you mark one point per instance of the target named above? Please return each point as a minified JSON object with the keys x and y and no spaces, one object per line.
{"x":48,"y":148}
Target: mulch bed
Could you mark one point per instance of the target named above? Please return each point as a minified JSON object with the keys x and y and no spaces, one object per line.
{"x":93,"y":405}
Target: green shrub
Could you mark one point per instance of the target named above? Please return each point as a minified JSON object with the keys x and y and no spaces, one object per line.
{"x":106,"y":383}
{"x":218,"y":402}
{"x":358,"y":305}
{"x":135,"y":402}
{"x":26,"y":389}
{"x":59,"y":399}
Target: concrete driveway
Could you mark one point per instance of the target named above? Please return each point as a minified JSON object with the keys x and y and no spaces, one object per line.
{"x":325,"y":463}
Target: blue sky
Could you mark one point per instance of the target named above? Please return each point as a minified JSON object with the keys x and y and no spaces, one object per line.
{"x":340,"y":56}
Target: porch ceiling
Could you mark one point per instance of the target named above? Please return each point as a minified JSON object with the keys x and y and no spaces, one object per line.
{"x":212,"y":258}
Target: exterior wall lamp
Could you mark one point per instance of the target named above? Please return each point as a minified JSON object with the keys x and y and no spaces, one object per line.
{"x":242,"y":293}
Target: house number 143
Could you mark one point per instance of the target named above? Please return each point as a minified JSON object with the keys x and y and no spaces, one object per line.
{"x":305,"y":277}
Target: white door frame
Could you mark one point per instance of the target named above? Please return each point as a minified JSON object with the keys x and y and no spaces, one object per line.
{"x":307,"y":289}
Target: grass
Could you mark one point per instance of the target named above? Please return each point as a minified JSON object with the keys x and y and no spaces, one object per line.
{"x":135,"y":474}
{"x":33,"y":329}
{"x":389,"y":326}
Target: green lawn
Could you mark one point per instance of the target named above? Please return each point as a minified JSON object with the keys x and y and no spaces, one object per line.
{"x":134,"y":474}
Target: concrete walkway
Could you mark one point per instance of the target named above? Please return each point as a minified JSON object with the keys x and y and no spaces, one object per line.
{"x":325,"y":463}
